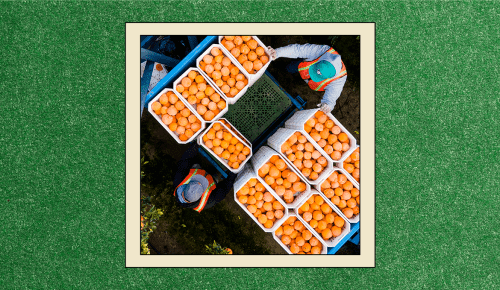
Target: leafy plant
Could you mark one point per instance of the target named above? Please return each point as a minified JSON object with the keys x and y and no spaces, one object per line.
{"x":149,"y":219}
{"x":332,"y":39}
{"x":143,"y":163}
{"x":216,"y":249}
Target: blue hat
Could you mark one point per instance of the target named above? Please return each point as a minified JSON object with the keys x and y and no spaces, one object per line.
{"x":192,"y":191}
{"x":321,"y":71}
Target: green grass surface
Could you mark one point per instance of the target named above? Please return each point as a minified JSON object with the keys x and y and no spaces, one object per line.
{"x":62,"y":144}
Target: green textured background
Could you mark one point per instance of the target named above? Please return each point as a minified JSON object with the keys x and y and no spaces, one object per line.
{"x":62,"y":144}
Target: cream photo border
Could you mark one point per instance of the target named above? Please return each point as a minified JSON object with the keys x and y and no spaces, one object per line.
{"x":133,"y":31}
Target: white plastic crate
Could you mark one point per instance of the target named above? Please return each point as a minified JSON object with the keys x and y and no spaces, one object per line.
{"x":262,"y":156}
{"x":324,"y":248}
{"x":164,"y":91}
{"x":333,"y":241}
{"x":200,"y":142}
{"x":193,"y":107}
{"x":243,"y":177}
{"x":298,"y":120}
{"x":236,"y":132}
{"x":256,"y":76}
{"x":355,"y":218}
{"x":230,"y":100}
{"x":341,"y":165}
{"x":277,"y":139}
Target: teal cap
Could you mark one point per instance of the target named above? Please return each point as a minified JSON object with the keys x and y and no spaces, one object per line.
{"x":321,"y":71}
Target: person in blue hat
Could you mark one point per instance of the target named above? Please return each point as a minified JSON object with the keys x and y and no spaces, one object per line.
{"x":195,"y":188}
{"x":320,"y":66}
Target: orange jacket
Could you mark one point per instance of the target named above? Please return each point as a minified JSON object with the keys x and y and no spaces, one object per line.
{"x":304,"y":73}
{"x":200,"y":204}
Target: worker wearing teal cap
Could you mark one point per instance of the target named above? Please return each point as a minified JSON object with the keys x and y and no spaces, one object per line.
{"x":320,"y":66}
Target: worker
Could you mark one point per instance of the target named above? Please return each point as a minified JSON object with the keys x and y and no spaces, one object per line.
{"x":320,"y":66}
{"x":196,"y":188}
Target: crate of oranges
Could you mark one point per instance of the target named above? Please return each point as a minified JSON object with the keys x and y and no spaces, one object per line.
{"x":232,"y":128}
{"x":249,"y":52}
{"x":351,"y":164}
{"x":333,"y":139}
{"x":300,"y":150}
{"x":256,"y":199}
{"x":226,"y":146}
{"x":324,"y":218}
{"x":175,"y":116}
{"x":200,"y":95}
{"x":297,"y":238}
{"x":283,"y":179}
{"x":222,"y":71}
{"x":343,"y":192}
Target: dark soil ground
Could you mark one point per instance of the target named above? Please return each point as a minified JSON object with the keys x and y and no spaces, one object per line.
{"x":182,"y":231}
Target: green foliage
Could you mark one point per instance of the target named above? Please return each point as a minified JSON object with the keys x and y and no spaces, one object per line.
{"x":216,"y":249}
{"x":332,"y":40}
{"x":143,"y":163}
{"x":149,"y":219}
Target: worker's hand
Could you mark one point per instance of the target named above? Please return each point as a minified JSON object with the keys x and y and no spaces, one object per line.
{"x":324,"y":108}
{"x":272,"y":53}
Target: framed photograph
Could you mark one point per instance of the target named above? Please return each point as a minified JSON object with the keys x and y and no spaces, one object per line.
{"x":245,"y":151}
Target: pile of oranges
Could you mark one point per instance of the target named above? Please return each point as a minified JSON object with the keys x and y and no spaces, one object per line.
{"x":281,"y":179}
{"x":298,"y":238}
{"x":173,"y":113}
{"x":304,"y":156}
{"x":223,"y":72}
{"x":328,"y":136}
{"x":351,"y":164}
{"x":227,"y":124}
{"x":321,"y":217}
{"x":342,"y":193}
{"x":200,"y":95}
{"x":247,"y":51}
{"x":260,"y":202}
{"x":222,"y":142}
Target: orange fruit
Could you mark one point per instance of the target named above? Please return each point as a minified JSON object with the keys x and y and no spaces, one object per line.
{"x":336,"y":231}
{"x":264,"y":59}
{"x":285,"y":239}
{"x":252,"y":208}
{"x":338,"y":221}
{"x":326,"y":234}
{"x":307,"y":216}
{"x":259,"y":50}
{"x":298,"y":225}
{"x":268,"y":224}
{"x":316,"y":250}
{"x":300,"y":241}
{"x":318,"y":215}
{"x":257,"y":64}
{"x":330,"y":218}
{"x":343,"y":137}
{"x":263,"y":218}
{"x":243,"y":199}
{"x":279,"y":231}
{"x":325,"y":208}
{"x":348,"y":212}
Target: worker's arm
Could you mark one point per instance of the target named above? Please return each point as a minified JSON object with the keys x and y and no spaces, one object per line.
{"x":221,"y":190}
{"x":332,"y":92}
{"x":307,"y":51}
{"x":186,"y":163}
